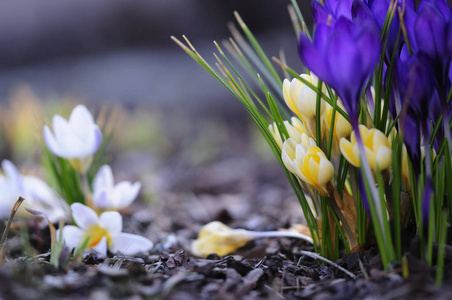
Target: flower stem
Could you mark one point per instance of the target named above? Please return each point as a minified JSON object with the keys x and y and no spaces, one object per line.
{"x":288,"y":234}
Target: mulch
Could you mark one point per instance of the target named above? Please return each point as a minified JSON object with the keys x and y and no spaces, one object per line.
{"x":243,"y":192}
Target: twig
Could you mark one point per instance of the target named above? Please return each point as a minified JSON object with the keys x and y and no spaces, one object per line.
{"x":319,"y":257}
{"x":10,"y":220}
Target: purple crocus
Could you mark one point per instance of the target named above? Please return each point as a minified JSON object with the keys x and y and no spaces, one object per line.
{"x":430,"y":33}
{"x":377,"y":10}
{"x":415,"y":83}
{"x":343,"y":55}
{"x":331,"y":10}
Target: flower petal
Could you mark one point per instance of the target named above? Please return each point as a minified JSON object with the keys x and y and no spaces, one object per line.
{"x":72,"y":236}
{"x":131,"y":244}
{"x":126,"y":192}
{"x":111,"y":221}
{"x":347,"y":151}
{"x":12,"y":173}
{"x":51,"y":142}
{"x":83,"y":215}
{"x":103,"y":178}
{"x":101,"y":248}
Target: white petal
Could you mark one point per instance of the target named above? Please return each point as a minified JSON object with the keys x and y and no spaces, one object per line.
{"x":131,"y":244}
{"x":83,"y":215}
{"x":61,"y":130}
{"x":307,"y":102}
{"x":72,"y":236}
{"x":80,"y":116}
{"x":12,"y":173}
{"x":111,"y":221}
{"x":39,"y":190}
{"x":126,"y":192}
{"x":101,"y":199}
{"x":51,"y":142}
{"x":101,"y":248}
{"x":96,"y":140}
{"x":103,"y":178}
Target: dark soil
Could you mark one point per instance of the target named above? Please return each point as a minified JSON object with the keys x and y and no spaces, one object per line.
{"x":239,"y":190}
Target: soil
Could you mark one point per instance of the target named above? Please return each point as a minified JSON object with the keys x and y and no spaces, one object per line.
{"x":240,"y":189}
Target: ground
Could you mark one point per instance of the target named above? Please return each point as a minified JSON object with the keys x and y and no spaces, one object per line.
{"x":232,"y":184}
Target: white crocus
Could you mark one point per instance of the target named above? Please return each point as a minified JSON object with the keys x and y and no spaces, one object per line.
{"x":37,"y":194}
{"x":108,"y":196}
{"x":76,"y":139}
{"x":102,"y":232}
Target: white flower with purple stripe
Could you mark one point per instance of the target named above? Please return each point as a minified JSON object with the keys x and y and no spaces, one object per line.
{"x":102,"y":232}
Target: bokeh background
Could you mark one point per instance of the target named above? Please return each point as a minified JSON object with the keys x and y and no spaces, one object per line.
{"x":120,"y":51}
{"x":175,"y":127}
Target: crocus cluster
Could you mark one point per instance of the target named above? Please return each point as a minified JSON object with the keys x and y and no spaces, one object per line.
{"x":367,"y":135}
{"x":77,"y":140}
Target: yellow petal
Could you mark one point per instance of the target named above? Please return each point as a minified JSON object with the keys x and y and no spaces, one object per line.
{"x":326,"y":173}
{"x":218,"y":238}
{"x":384,"y":157}
{"x":347,"y":151}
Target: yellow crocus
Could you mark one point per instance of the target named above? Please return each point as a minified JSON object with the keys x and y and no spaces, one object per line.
{"x":342,"y":128}
{"x":376,"y":146}
{"x":308,"y":162}
{"x":295,"y":128}
{"x":302,"y":100}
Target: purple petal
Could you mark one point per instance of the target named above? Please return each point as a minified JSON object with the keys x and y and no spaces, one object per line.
{"x":312,"y":59}
{"x":368,"y":43}
{"x":360,"y":12}
{"x":430,"y":30}
{"x":344,"y":9}
{"x":319,"y":13}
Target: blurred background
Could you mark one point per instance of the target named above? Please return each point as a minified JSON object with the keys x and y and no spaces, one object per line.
{"x":170,"y":117}
{"x":120,"y":51}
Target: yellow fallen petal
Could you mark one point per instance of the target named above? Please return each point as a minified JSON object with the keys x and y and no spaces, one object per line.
{"x":218,"y":238}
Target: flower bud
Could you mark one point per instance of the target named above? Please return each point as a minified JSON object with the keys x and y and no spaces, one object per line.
{"x":302,"y":100}
{"x":376,"y":146}
{"x":295,"y":130}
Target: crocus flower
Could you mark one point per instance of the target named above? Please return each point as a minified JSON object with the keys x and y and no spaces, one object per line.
{"x":343,"y":55}
{"x":433,"y":33}
{"x":295,"y":128}
{"x":331,"y":10}
{"x":37,"y":194}
{"x":376,"y":145}
{"x":216,"y":237}
{"x":302,"y":100}
{"x":416,"y":83}
{"x":342,"y":128}
{"x":77,"y":139}
{"x":108,"y":196}
{"x":308,"y":162}
{"x":378,"y":10}
{"x":102,"y":232}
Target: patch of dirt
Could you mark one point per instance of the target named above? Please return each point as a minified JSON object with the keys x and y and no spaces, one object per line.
{"x":242,"y":192}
